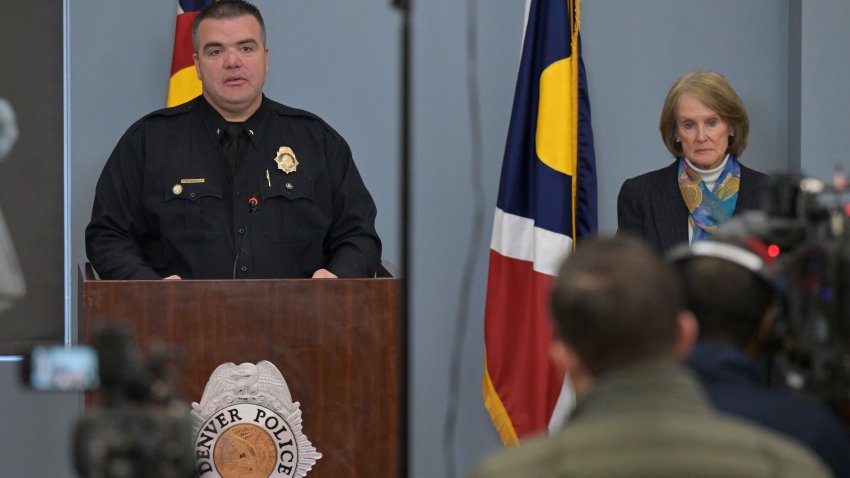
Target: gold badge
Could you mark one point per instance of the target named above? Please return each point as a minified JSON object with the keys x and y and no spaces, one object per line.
{"x":285,"y":160}
{"x":245,"y":450}
{"x":177,"y":189}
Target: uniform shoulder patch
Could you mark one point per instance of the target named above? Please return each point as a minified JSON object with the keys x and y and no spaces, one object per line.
{"x":284,"y":110}
{"x":288,"y":111}
{"x":173,"y":111}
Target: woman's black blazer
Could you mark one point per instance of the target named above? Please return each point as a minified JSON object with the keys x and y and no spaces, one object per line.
{"x":650,"y":206}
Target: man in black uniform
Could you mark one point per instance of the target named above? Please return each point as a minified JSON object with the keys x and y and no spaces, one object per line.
{"x":231,"y":184}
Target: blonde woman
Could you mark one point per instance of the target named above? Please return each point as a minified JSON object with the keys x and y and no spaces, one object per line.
{"x":704,"y":126}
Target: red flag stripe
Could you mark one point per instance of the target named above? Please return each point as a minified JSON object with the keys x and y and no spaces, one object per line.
{"x":183,"y":49}
{"x":516,"y":293}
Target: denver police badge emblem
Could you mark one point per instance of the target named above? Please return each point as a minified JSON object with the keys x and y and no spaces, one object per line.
{"x":247,"y":426}
{"x":285,"y":160}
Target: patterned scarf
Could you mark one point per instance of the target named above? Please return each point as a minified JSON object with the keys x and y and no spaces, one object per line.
{"x":709,"y":209}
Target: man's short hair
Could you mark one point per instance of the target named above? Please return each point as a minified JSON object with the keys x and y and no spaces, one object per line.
{"x":616,"y":303}
{"x":226,"y":9}
{"x":728,"y":300}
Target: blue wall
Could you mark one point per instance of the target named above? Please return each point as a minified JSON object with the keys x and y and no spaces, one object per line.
{"x":340,"y":59}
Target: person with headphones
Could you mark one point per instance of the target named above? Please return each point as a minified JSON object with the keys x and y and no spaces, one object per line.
{"x":729,"y":290}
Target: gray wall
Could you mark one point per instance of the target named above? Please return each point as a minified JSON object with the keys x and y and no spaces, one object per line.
{"x":824,"y":79}
{"x":635,"y":51}
{"x":339,"y":59}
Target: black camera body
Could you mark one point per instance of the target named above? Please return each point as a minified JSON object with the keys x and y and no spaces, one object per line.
{"x":806,"y":225}
{"x":134,"y":441}
{"x":139,"y":427}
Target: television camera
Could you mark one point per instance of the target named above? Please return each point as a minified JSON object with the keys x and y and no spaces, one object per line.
{"x":138,"y":427}
{"x":804,"y":226}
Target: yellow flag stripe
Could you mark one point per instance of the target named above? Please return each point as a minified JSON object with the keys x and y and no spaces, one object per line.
{"x":556,"y":137}
{"x":184,"y":86}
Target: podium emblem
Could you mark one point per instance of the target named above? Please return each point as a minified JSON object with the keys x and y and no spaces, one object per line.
{"x":247,"y":426}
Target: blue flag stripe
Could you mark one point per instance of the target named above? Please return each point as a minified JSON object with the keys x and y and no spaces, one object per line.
{"x":528,"y":187}
{"x":586,"y":217}
{"x":194,"y":5}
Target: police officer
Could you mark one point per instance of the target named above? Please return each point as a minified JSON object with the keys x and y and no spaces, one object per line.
{"x":231,"y":184}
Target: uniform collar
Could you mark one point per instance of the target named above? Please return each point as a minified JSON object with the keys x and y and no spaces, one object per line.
{"x":216,"y":125}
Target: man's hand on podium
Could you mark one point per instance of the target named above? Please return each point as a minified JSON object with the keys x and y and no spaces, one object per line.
{"x":319,"y":274}
{"x":324,"y":274}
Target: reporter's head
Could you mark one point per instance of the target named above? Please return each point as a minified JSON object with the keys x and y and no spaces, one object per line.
{"x":732,"y":303}
{"x":616,"y":304}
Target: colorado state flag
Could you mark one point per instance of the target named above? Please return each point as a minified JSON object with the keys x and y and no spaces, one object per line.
{"x":184,"y":84}
{"x":547,"y":199}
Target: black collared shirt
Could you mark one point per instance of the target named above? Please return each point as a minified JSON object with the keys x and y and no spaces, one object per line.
{"x":737,"y":386}
{"x":166,"y":203}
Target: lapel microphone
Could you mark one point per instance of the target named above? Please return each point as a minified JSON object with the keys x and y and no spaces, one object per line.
{"x":253,"y":203}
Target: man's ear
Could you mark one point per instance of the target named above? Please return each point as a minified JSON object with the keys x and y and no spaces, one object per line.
{"x":195,"y":60}
{"x":688,"y":333}
{"x":563,"y":357}
{"x":568,"y":362}
{"x":763,"y":331}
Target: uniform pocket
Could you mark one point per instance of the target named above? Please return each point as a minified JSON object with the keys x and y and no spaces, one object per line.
{"x":289,"y":211}
{"x":193,"y":212}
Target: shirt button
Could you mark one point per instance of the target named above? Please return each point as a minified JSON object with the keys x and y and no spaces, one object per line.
{"x":191,"y":195}
{"x":241,"y":230}
{"x":244,"y":268}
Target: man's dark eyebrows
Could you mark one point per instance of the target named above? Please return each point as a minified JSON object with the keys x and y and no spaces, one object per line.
{"x":248,"y":41}
{"x":207,"y":46}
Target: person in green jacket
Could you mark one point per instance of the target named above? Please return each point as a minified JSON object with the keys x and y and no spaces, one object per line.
{"x":620,"y":329}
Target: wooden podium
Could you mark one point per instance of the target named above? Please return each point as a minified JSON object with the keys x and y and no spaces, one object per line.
{"x":338,"y":344}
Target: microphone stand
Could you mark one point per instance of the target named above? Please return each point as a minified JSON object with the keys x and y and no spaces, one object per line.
{"x":404,"y":6}
{"x":252,"y":204}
